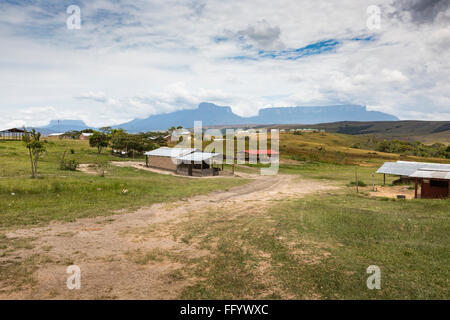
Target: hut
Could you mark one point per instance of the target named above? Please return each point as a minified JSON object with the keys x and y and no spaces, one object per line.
{"x":11,"y":134}
{"x":184,"y":161}
{"x":434,"y":183}
{"x":432,"y":177}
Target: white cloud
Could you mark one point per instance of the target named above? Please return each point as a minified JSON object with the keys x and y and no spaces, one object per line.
{"x":133,"y":59}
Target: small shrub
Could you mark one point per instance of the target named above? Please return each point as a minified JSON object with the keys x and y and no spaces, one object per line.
{"x":360,"y":184}
{"x":70,"y":165}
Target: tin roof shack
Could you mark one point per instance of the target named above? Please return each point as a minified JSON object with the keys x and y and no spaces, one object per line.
{"x":184,"y":161}
{"x":199,"y":164}
{"x":434,"y":183}
{"x":11,"y":134}
{"x":433,"y":177}
{"x":166,"y":158}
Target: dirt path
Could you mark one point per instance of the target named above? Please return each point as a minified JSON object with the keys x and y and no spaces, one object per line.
{"x":107,"y":249}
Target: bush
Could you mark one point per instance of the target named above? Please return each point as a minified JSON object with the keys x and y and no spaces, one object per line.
{"x":70,"y":165}
{"x":360,"y":184}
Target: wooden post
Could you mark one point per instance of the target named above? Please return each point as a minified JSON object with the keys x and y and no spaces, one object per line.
{"x":146,"y":161}
{"x":384,"y":178}
{"x":356,"y":175}
{"x":373,"y":181}
{"x":415,"y":188}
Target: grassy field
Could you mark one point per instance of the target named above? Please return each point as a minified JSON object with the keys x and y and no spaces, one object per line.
{"x":316,"y":247}
{"x":67,"y":195}
{"x":320,"y":247}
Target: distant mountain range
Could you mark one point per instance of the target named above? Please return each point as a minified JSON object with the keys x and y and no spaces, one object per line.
{"x":211,"y":115}
{"x":65,"y":125}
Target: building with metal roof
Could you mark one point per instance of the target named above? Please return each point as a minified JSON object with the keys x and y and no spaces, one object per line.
{"x":198,"y":156}
{"x":170,"y":152}
{"x":406,"y":168}
{"x":184,"y":161}
{"x":11,"y":134}
{"x":434,"y":178}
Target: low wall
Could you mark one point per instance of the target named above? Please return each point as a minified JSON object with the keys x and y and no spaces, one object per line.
{"x":162,"y":163}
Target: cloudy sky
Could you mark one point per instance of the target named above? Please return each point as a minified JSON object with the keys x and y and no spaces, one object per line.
{"x":131,"y":59}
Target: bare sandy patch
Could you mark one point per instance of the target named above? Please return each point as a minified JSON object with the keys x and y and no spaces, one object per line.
{"x":392,"y":191}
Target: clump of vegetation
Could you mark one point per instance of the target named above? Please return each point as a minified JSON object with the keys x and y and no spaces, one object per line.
{"x":101,"y":166}
{"x":99,"y":140}
{"x":360,"y":184}
{"x":70,"y":164}
{"x":127,"y":144}
{"x":417,"y":148}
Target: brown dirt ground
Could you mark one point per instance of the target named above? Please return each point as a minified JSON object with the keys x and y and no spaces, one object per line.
{"x":118,"y":260}
{"x":392,"y":191}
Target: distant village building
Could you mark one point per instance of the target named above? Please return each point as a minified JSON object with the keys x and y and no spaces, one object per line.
{"x":85,"y":136}
{"x":58,"y":135}
{"x":434,"y":178}
{"x":11,"y":134}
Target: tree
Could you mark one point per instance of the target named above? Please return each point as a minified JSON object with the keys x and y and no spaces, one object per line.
{"x":35,"y":148}
{"x":99,"y":140}
{"x":131,"y":143}
{"x":106,"y":130}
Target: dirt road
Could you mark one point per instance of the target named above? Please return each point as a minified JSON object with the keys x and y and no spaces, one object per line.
{"x":107,"y":249}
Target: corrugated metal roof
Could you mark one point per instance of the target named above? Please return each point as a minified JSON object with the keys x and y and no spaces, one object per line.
{"x":406,"y":168}
{"x":170,"y":152}
{"x":11,"y":130}
{"x":431,"y":174}
{"x":199,"y":156}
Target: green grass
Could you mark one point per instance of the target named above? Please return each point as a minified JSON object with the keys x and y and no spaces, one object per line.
{"x":320,"y":247}
{"x":66,"y":195}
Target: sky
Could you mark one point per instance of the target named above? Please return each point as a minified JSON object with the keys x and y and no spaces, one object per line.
{"x":133,"y":59}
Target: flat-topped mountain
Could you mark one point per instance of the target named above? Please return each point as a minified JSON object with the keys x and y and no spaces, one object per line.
{"x":66,"y":125}
{"x":211,"y":115}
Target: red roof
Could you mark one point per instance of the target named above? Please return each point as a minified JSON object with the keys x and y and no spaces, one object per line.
{"x":269,"y":152}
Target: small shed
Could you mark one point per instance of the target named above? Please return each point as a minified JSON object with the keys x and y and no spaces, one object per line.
{"x":434,"y":182}
{"x":433,"y":177}
{"x":11,"y":134}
